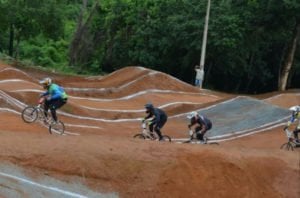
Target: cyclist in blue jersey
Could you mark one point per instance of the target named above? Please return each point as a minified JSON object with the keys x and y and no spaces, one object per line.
{"x":55,"y":96}
{"x":200,"y":123}
{"x":159,"y":119}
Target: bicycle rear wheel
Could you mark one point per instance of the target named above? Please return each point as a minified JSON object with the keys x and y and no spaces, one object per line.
{"x":213,"y":143}
{"x":139,"y":136}
{"x":30,"y":114}
{"x":210,"y":142}
{"x":57,"y":127}
{"x":187,"y":141}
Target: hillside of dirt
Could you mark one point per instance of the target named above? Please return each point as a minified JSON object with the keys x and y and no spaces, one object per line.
{"x":99,"y":152}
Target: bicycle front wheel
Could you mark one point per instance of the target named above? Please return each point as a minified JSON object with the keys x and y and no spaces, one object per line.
{"x":30,"y":114}
{"x":57,"y":127}
{"x":139,"y":136}
{"x":166,"y":138}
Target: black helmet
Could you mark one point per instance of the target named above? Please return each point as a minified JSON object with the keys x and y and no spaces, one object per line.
{"x":149,"y":107}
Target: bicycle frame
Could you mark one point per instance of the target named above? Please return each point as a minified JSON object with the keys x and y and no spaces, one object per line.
{"x":193,"y":136}
{"x":147,"y":134}
{"x":193,"y":139}
{"x":291,"y":144}
{"x":146,"y":131}
{"x":33,"y":113}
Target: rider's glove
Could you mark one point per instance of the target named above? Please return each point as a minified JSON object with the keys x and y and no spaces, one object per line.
{"x":191,"y":132}
{"x":189,"y":126}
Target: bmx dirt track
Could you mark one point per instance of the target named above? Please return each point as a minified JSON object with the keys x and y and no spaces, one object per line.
{"x":100,"y":153}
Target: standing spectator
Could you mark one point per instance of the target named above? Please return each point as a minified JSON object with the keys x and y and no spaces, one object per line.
{"x":199,"y":76}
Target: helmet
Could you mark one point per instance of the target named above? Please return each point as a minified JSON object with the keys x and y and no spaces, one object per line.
{"x":149,"y":106}
{"x":46,"y":82}
{"x":192,"y":115}
{"x":295,"y":108}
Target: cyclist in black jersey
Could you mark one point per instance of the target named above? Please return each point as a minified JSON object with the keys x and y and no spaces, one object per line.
{"x":159,"y":119}
{"x":200,"y":123}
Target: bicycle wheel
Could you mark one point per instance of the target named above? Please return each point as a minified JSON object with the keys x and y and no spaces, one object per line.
{"x":166,"y":138}
{"x":187,"y":141}
{"x":207,"y":141}
{"x":139,"y":136}
{"x":30,"y":114}
{"x":57,"y":127}
{"x":213,"y":143}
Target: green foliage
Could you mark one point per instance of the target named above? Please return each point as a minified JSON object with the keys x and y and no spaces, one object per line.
{"x":48,"y":54}
{"x":246,"y":46}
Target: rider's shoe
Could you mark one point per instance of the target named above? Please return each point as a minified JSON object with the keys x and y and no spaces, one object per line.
{"x":47,"y":120}
{"x":54,"y":122}
{"x":160,"y":139}
{"x":201,"y":142}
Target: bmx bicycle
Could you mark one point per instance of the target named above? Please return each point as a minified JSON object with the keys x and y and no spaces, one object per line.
{"x":146,"y":134}
{"x":32,"y":114}
{"x":291,"y":144}
{"x":193,"y":139}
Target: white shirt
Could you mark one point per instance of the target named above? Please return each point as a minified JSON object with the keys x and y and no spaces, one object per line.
{"x":200,"y":74}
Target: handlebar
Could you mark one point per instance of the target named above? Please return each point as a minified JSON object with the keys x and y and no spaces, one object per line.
{"x":145,"y":123}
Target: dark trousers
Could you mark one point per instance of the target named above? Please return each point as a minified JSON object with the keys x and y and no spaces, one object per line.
{"x":53,"y":105}
{"x":158,"y":126}
{"x":201,"y":135}
{"x":296,"y":131}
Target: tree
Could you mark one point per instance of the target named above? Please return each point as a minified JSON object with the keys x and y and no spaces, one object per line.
{"x":292,"y":8}
{"x":26,"y":19}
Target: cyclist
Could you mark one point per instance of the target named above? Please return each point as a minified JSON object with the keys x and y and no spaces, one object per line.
{"x":294,"y":117}
{"x":200,"y":123}
{"x":159,"y":118}
{"x":55,"y":96}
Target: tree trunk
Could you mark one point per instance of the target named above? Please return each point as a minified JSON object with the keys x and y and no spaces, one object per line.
{"x":287,"y":65}
{"x":11,"y":40}
{"x":17,"y":48}
{"x":77,"y":36}
{"x":82,"y":43}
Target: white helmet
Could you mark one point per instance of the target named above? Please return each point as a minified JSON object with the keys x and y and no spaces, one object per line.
{"x":295,"y":109}
{"x":193,"y":114}
{"x":46,"y":82}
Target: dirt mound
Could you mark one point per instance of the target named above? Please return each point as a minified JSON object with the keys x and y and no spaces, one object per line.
{"x":11,"y":73}
{"x":115,"y":79}
{"x":285,"y":100}
{"x":122,"y":84}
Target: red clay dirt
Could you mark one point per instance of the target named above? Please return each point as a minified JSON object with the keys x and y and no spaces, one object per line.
{"x":107,"y":159}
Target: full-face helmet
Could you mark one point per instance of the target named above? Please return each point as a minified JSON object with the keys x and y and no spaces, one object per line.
{"x":295,"y":110}
{"x":192,"y":115}
{"x":46,"y":82}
